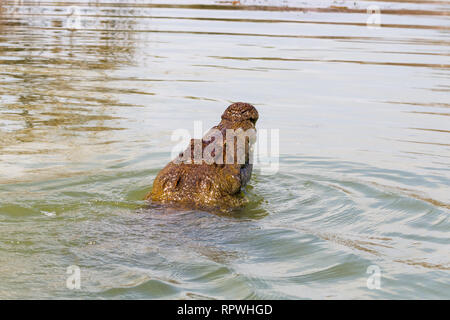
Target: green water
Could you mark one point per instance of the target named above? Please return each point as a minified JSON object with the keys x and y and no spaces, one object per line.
{"x":91,"y":91}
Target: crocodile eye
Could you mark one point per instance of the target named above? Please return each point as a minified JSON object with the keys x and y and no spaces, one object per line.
{"x":240,"y":111}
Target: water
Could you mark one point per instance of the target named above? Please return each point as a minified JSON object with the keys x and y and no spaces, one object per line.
{"x":91,"y":92}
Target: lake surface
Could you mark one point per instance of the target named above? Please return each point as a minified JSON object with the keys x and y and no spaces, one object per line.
{"x":91,"y":91}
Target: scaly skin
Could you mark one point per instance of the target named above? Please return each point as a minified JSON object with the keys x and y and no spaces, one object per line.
{"x":209,"y":185}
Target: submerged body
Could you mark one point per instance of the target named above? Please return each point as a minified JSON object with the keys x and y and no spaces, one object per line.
{"x":212,"y":171}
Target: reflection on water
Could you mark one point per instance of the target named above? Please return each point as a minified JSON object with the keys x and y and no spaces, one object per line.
{"x":90,"y":92}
